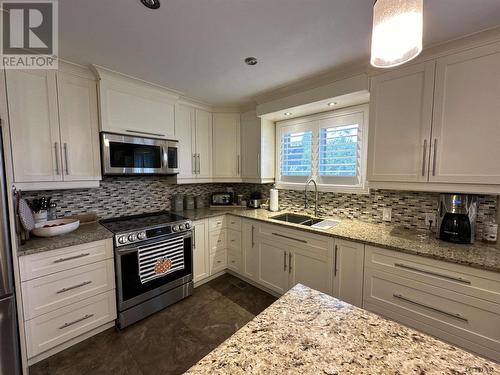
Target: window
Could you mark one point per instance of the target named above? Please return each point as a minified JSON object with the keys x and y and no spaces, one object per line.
{"x":330,"y":147}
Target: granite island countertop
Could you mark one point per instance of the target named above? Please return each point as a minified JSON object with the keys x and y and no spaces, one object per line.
{"x":87,"y":232}
{"x":308,"y":332}
{"x":479,"y":255}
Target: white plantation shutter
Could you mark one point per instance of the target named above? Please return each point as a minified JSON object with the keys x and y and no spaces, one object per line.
{"x":340,"y":141}
{"x":296,"y":152}
{"x":330,"y":147}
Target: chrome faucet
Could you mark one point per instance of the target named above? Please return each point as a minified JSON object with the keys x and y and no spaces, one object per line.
{"x":316,"y":196}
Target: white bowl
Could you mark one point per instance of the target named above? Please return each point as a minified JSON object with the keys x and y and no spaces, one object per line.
{"x":55,"y":227}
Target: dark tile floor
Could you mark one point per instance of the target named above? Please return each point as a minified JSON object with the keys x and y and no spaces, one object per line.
{"x":168,"y":342}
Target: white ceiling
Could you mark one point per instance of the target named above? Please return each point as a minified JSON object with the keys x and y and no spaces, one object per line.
{"x":198,"y":46}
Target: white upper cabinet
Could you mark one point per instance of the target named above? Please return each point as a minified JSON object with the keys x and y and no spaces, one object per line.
{"x":226,"y":146}
{"x":54,"y":128}
{"x":193,"y":128}
{"x":34,"y":125}
{"x":257,"y":149}
{"x":437,"y":124}
{"x":466,"y":128}
{"x":400,"y":124}
{"x":203,"y":130}
{"x":184,"y":129}
{"x":131,"y":106}
{"x":79,"y":127}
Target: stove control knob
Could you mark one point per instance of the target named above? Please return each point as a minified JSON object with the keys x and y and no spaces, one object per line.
{"x":132,"y":237}
{"x":141,"y":235}
{"x":122,"y":240}
{"x":188,"y":225}
{"x":175,"y":228}
{"x":181,"y":227}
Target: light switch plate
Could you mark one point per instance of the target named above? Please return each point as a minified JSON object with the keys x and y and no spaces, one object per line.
{"x":387,"y":214}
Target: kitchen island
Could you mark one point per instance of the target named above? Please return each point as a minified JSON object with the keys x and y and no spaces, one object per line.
{"x":308,"y":332}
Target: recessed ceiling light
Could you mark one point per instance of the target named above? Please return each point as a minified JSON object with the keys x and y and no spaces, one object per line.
{"x":331,"y":104}
{"x":151,"y":4}
{"x":251,"y":61}
{"x":287,"y":113}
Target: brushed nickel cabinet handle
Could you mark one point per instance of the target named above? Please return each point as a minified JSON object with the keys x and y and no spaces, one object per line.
{"x":424,"y":157}
{"x":288,"y":237}
{"x":258,"y":165}
{"x":253,"y":230}
{"x":56,"y":150}
{"x":429,"y":307}
{"x":238,"y":165}
{"x":193,"y":164}
{"x":65,"y":325}
{"x":73,"y":287}
{"x":290,"y":262}
{"x":335,"y":261}
{"x":60,"y":260}
{"x":284,"y":261}
{"x":66,"y":159}
{"x":432,"y":273}
{"x":435,"y":156}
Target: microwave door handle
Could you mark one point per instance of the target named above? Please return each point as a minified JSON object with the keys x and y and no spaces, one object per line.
{"x":164,"y":158}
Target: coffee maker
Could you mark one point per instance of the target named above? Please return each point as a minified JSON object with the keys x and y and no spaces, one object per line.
{"x":457,"y":218}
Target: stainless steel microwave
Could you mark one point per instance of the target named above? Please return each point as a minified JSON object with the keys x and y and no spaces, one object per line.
{"x":130,"y":155}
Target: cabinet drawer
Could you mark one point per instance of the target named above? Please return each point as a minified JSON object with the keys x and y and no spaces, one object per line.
{"x":49,"y":330}
{"x":234,"y":261}
{"x":46,"y":263}
{"x":234,"y":240}
{"x":437,"y":309}
{"x":233,"y":222}
{"x":461,"y":279}
{"x":295,"y":237}
{"x":52,"y":292}
{"x":218,"y":261}
{"x":218,"y":240}
{"x":217,"y":222}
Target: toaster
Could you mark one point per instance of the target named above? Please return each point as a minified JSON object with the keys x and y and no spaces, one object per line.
{"x":222,"y":199}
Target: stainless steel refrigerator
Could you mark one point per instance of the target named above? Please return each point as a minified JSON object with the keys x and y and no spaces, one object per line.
{"x":9,"y":336}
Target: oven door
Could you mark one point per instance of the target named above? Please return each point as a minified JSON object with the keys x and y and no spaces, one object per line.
{"x":122,"y":154}
{"x":134,"y":287}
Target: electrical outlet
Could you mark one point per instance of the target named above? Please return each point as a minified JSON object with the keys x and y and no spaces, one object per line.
{"x":387,"y":214}
{"x":430,"y":218}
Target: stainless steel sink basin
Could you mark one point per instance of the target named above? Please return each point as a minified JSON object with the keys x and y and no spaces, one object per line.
{"x":297,"y":219}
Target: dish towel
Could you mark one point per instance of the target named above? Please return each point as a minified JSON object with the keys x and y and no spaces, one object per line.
{"x":161,"y":258}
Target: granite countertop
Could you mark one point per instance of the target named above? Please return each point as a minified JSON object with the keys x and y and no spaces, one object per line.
{"x":308,"y":332}
{"x":88,"y":232}
{"x":479,"y":255}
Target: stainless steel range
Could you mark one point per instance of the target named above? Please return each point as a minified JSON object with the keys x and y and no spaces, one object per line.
{"x":153,"y":262}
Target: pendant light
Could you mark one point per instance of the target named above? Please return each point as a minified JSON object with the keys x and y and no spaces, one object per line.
{"x":397,"y":32}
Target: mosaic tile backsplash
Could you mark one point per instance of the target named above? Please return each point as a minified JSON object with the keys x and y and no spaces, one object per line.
{"x":119,"y":196}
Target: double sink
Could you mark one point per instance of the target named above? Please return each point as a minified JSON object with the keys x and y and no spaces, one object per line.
{"x":305,"y":220}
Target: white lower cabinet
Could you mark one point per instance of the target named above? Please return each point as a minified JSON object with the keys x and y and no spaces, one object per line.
{"x":201,"y":254}
{"x":348,"y":272}
{"x":273,"y":269}
{"x":288,"y":257}
{"x":249,"y":251}
{"x":455,"y":303}
{"x":66,"y":294}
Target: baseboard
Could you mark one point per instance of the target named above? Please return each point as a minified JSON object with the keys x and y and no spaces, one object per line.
{"x":253,"y":283}
{"x":209,"y":278}
{"x":67,"y":344}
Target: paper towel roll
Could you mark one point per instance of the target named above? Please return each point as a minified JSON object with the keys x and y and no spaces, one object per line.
{"x":273,"y":200}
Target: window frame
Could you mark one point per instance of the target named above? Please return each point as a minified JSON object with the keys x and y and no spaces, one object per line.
{"x":314,"y":122}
